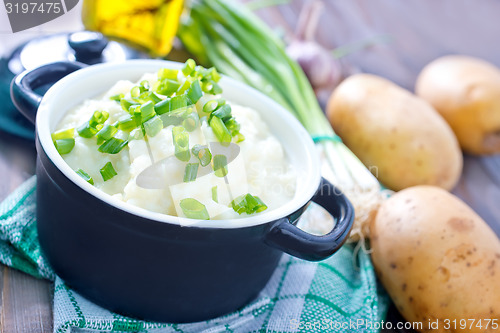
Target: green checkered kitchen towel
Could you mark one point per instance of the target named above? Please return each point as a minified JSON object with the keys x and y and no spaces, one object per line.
{"x":336,"y":295}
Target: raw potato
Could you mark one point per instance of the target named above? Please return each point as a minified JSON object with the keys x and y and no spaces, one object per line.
{"x":398,"y":136}
{"x":437,"y":259}
{"x":466,"y":91}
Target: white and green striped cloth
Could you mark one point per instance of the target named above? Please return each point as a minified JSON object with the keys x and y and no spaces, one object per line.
{"x":336,"y":295}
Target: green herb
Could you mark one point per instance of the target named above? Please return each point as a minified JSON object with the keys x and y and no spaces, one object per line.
{"x":194,"y":92}
{"x":126,"y":123}
{"x":63,"y":134}
{"x":194,"y":209}
{"x":181,"y":143}
{"x":210,"y":106}
{"x":203,"y":154}
{"x":85,"y":176}
{"x":171,"y":104}
{"x":106,"y":132}
{"x":167,"y":87}
{"x":116,"y":97}
{"x":248,"y":203}
{"x":190,"y":172}
{"x":191,"y":121}
{"x":220,"y":165}
{"x":215,"y":196}
{"x":127,"y":103}
{"x":153,"y":126}
{"x":223,"y":112}
{"x":107,"y":171}
{"x":167,"y":73}
{"x":188,"y":67}
{"x":112,"y":146}
{"x":220,"y":130}
{"x":64,"y":146}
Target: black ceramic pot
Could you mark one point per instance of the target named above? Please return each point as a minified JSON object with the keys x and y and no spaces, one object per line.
{"x":149,"y":265}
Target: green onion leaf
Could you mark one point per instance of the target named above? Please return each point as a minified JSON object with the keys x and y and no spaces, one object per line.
{"x":85,"y":176}
{"x":181,"y":143}
{"x":188,"y":68}
{"x":190,"y":172}
{"x":86,"y":131}
{"x":167,"y":87}
{"x":249,"y":204}
{"x":220,"y":130}
{"x":112,"y":146}
{"x":107,"y":171}
{"x":98,"y":118}
{"x":171,"y":104}
{"x":106,"y":132}
{"x":210,"y":106}
{"x":153,"y":126}
{"x":194,"y":92}
{"x":147,"y":111}
{"x":215,"y":196}
{"x":116,"y":97}
{"x":127,"y":103}
{"x":126,"y":123}
{"x":223,"y":112}
{"x":167,"y":73}
{"x":145,"y":85}
{"x":191,"y":121}
{"x":64,"y":134}
{"x":64,"y":146}
{"x":203,"y":154}
{"x":194,"y":209}
{"x":220,"y":165}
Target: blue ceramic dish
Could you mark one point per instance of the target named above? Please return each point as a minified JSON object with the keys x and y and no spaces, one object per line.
{"x":149,"y":265}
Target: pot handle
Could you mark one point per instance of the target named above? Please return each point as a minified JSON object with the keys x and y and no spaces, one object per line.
{"x":288,"y":238}
{"x":22,"y":87}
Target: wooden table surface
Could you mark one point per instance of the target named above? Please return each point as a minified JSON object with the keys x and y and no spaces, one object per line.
{"x":420,"y":31}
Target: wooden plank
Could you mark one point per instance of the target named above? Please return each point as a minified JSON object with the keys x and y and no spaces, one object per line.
{"x":26,"y":303}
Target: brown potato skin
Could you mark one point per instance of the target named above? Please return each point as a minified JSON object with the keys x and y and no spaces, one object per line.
{"x":437,"y":258}
{"x":397,"y":135}
{"x":466,"y":92}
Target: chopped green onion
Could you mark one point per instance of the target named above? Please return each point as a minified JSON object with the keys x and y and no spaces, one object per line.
{"x":116,"y":97}
{"x":188,"y":67}
{"x":64,"y":134}
{"x":167,"y":87}
{"x":190,"y":172}
{"x":153,"y":126}
{"x":194,"y":92}
{"x":107,"y":171}
{"x":145,"y":85}
{"x":249,"y":204}
{"x":191,"y":121}
{"x":127,"y":103}
{"x":64,"y":146}
{"x":210,"y":106}
{"x":215,"y":196}
{"x":136,"y":134}
{"x":98,"y":118}
{"x":147,"y":111}
{"x":220,"y":165}
{"x":107,"y":132}
{"x":167,"y":73}
{"x":86,"y":131}
{"x":203,"y":154}
{"x":126,"y":123}
{"x":181,"y":143}
{"x":216,"y":89}
{"x":171,"y":104}
{"x":112,"y":146}
{"x":85,"y":176}
{"x":194,"y":209}
{"x":223,"y":112}
{"x":220,"y":130}
{"x":221,"y":101}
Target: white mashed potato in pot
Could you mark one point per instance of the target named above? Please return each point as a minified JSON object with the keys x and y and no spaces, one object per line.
{"x":171,"y":144}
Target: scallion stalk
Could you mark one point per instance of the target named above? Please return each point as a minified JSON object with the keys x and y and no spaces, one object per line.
{"x":190,"y":172}
{"x":220,"y":165}
{"x":203,"y":154}
{"x":64,"y":146}
{"x":194,"y":209}
{"x":181,"y":143}
{"x":107,"y":171}
{"x":85,"y":176}
{"x":112,"y":146}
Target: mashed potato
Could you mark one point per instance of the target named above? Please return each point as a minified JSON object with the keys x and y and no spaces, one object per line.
{"x":261,"y":167}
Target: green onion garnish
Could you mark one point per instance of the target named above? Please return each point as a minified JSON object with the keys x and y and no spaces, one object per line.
{"x":190,"y":172}
{"x":188,"y":68}
{"x":249,"y":204}
{"x":167,"y":87}
{"x":215,"y":196}
{"x":116,"y":98}
{"x":167,"y":73}
{"x":203,"y":154}
{"x":153,"y":126}
{"x":64,"y":146}
{"x":220,"y":165}
{"x":223,"y":112}
{"x":194,"y":209}
{"x":171,"y":104}
{"x":220,"y":130}
{"x":98,"y":118}
{"x":145,"y":85}
{"x":112,"y":146}
{"x":147,"y":111}
{"x":126,"y":123}
{"x":194,"y":92}
{"x":85,"y":176}
{"x":181,"y":143}
{"x":127,"y":103}
{"x":64,"y":134}
{"x":136,"y":134}
{"x":107,"y":171}
{"x":191,"y":121}
{"x":106,"y":132}
{"x":86,"y":131}
{"x":210,"y":106}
